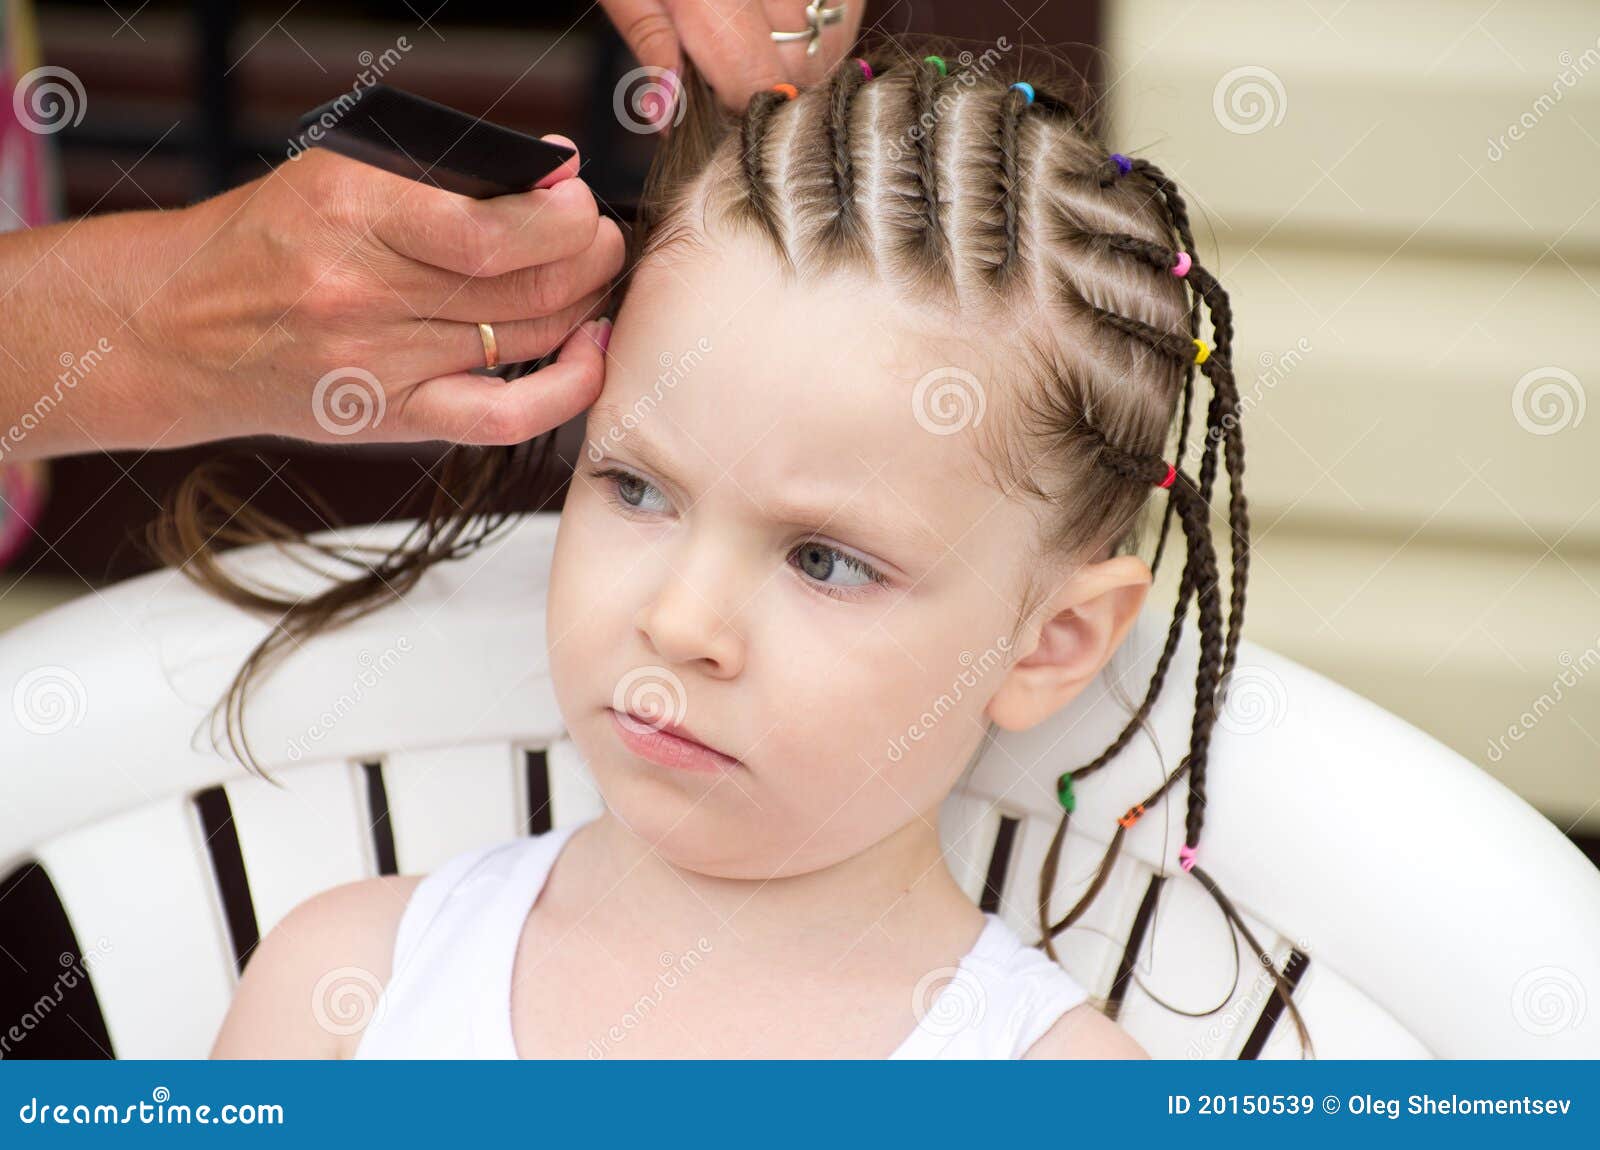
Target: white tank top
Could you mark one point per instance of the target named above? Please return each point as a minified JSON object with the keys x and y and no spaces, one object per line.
{"x":449,"y":995}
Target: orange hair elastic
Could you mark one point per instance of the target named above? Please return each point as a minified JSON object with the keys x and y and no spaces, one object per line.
{"x":1135,"y":813}
{"x":788,"y":91}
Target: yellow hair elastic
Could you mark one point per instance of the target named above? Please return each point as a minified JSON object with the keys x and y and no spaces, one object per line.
{"x":1201,"y":351}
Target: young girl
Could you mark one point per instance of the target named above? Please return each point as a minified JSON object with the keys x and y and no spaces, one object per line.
{"x":934,"y":341}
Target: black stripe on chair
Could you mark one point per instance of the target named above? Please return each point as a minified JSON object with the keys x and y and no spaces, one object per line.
{"x":227,"y":867}
{"x":537,"y":766}
{"x":1293,"y":971}
{"x":999,"y":863}
{"x":378,"y":819}
{"x":38,"y":951}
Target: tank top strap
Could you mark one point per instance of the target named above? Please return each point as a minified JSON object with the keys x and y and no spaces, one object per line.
{"x":1002,"y":999}
{"x":454,"y":949}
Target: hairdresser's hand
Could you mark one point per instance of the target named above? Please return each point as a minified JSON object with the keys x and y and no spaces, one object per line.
{"x":730,"y":41}
{"x":336,"y":302}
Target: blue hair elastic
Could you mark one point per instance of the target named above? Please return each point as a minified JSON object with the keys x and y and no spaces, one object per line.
{"x":1025,"y":88}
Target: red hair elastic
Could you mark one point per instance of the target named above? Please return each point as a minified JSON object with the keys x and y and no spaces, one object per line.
{"x":1172,"y":473}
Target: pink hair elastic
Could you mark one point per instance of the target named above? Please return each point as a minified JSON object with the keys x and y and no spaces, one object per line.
{"x":866,"y":68}
{"x":1181,"y":268}
{"x":1186,"y":855}
{"x":1172,"y":473}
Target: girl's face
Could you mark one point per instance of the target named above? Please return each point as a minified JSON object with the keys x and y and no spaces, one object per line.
{"x":781,"y":538}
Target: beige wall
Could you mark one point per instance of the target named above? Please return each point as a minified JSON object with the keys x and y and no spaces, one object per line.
{"x":1403,"y":200}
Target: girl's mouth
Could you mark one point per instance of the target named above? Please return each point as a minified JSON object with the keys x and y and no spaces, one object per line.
{"x":666,"y":749}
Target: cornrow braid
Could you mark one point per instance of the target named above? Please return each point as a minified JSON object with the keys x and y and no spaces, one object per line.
{"x":844,"y":228}
{"x":925,"y":88}
{"x":758,"y":198}
{"x":1013,"y":105}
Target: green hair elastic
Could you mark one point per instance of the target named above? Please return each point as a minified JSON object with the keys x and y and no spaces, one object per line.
{"x":1064,"y":793}
{"x":937,"y":62}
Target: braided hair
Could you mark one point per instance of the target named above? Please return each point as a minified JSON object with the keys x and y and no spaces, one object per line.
{"x":998,"y":198}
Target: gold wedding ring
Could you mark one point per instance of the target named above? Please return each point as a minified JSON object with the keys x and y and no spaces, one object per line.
{"x":491,"y":350}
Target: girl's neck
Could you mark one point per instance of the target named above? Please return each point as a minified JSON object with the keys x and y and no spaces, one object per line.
{"x":894,"y":895}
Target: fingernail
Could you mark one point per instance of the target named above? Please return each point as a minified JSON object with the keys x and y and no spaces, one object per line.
{"x":602,"y":334}
{"x":560,"y":174}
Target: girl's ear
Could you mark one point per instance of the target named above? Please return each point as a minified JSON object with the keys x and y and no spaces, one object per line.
{"x":1084,"y":622}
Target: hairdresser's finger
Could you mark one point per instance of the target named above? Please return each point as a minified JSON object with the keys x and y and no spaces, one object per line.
{"x":569,"y":166}
{"x":482,"y":410}
{"x":489,"y":237}
{"x":730,"y":41}
{"x":646,"y":27}
{"x":527,"y":293}
{"x":447,"y":346}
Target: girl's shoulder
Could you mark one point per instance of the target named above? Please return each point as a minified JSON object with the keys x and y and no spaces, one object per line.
{"x":312,"y":983}
{"x":1085,"y":1032}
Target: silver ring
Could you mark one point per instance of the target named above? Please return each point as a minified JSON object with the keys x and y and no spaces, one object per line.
{"x":816,"y":18}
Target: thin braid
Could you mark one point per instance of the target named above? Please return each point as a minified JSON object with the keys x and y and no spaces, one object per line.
{"x":1178,"y":217}
{"x":1013,"y":105}
{"x":845,"y":227}
{"x":752,"y":140}
{"x":924,"y":87}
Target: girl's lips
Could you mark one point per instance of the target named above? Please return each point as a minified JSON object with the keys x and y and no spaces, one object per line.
{"x":668,"y":750}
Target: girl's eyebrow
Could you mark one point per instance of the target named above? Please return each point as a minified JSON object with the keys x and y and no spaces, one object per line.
{"x":894,"y":523}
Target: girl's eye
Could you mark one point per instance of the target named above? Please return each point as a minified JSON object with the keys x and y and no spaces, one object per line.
{"x":626,"y":488}
{"x":819,"y":561}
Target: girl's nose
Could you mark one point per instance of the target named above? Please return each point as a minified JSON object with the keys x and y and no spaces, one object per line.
{"x":685,"y":625}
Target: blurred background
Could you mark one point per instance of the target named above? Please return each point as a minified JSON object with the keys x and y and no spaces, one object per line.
{"x":1400,"y":197}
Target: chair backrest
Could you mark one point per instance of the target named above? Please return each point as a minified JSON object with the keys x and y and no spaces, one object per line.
{"x":1426,"y":909}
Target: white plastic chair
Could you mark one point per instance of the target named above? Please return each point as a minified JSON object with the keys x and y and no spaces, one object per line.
{"x":1439,"y":915}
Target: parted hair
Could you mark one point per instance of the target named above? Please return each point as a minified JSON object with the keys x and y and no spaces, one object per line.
{"x":951,"y":187}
